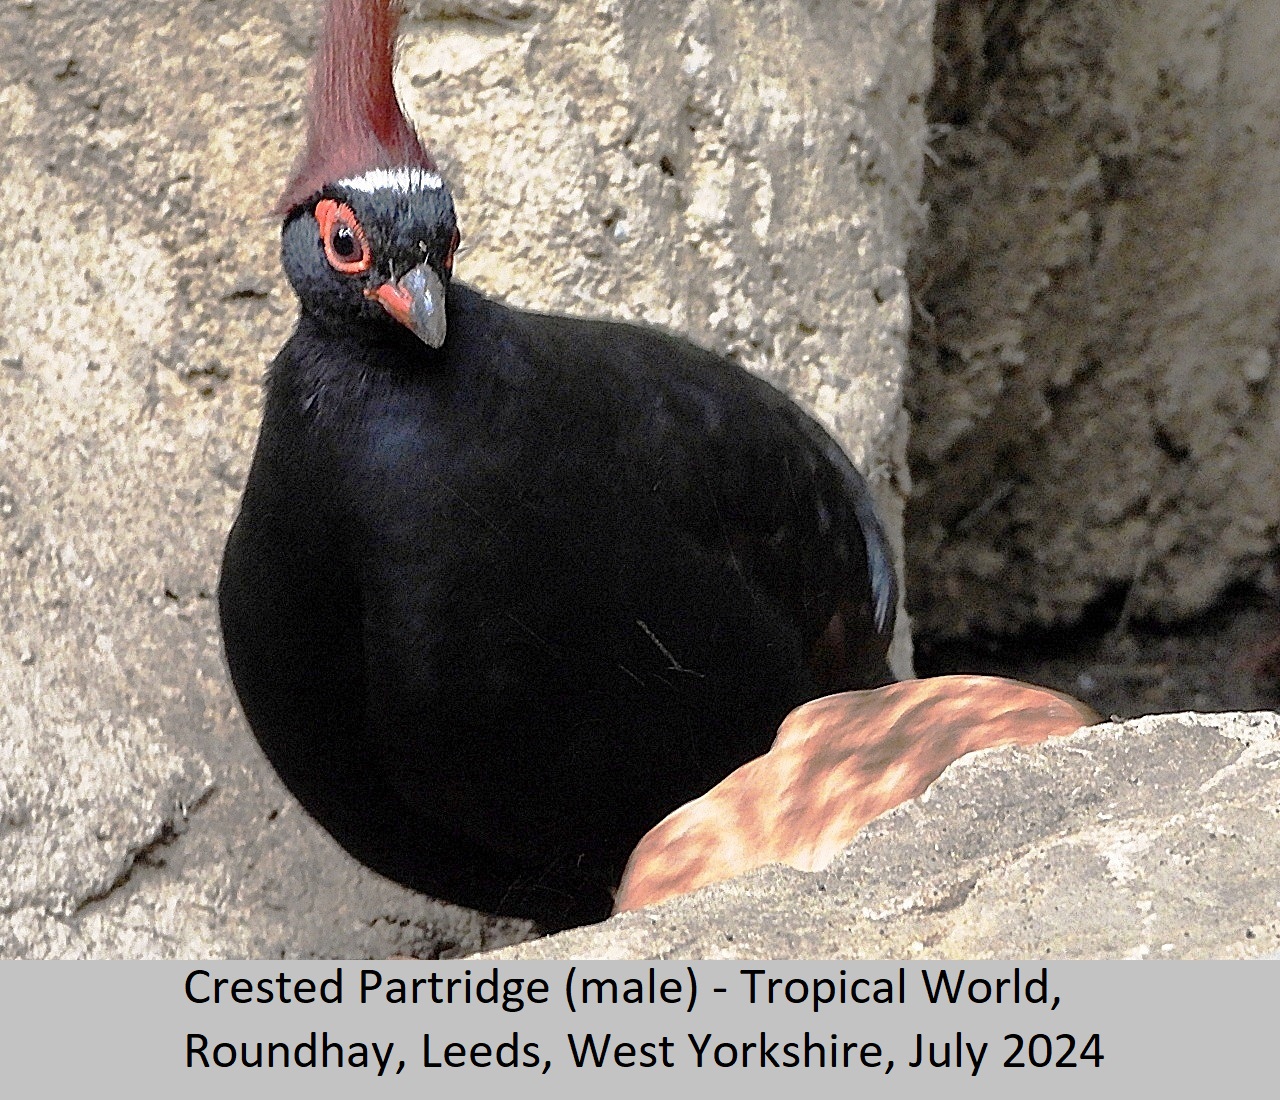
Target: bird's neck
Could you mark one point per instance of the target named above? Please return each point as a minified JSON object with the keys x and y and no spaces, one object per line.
{"x":386,"y":342}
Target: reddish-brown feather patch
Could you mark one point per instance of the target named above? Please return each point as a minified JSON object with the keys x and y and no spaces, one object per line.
{"x":354,"y":120}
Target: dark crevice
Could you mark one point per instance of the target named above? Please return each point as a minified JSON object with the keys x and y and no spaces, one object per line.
{"x":974,"y":49}
{"x":953,"y":899}
{"x":150,"y":853}
{"x":1225,"y":659}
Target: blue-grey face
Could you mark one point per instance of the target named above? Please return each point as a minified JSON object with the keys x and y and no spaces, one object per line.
{"x":374,"y":247}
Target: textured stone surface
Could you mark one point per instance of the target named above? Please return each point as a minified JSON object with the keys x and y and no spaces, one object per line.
{"x":837,"y":763}
{"x":1096,"y":404}
{"x":744,"y":173}
{"x":1155,"y":838}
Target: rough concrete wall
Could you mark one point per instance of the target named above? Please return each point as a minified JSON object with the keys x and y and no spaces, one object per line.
{"x":743,"y":172}
{"x":1096,"y":402}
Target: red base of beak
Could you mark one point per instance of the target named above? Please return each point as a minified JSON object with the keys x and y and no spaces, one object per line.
{"x":395,"y":300}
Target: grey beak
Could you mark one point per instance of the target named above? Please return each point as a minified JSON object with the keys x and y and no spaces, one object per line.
{"x":416,"y":300}
{"x":426,"y":317}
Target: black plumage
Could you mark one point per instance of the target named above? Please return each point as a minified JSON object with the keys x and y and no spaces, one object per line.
{"x":505,"y":591}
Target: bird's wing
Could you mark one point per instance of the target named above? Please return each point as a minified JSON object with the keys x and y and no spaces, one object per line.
{"x":763,"y":482}
{"x":748,"y":475}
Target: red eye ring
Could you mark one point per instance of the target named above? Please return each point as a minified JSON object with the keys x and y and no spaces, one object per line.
{"x":338,"y":220}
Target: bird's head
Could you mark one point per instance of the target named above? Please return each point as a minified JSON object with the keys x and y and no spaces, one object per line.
{"x":375,"y":248}
{"x":369,"y":226}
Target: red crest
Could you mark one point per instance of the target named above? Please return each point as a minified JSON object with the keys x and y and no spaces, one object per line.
{"x":354,"y":120}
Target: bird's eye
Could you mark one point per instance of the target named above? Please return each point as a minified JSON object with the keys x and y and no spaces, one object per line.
{"x":344,"y":242}
{"x":345,"y":245}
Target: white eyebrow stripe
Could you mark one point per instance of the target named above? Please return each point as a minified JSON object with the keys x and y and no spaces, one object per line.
{"x":394,"y":179}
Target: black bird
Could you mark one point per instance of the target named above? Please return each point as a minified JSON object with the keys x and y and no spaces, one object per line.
{"x":506,"y":588}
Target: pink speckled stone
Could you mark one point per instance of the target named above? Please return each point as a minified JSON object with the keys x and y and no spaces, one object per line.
{"x":836,"y":764}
